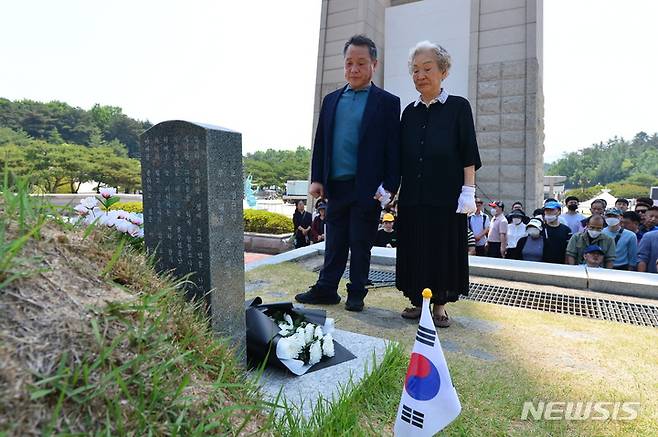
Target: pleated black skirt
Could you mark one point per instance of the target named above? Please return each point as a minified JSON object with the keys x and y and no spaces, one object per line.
{"x":432,"y":253}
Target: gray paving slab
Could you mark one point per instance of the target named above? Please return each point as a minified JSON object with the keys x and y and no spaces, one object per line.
{"x":305,"y":391}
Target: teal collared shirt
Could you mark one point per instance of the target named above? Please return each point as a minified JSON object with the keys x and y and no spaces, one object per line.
{"x":347,"y":125}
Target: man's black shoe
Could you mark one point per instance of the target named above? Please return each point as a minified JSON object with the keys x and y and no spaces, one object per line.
{"x":354,"y":305}
{"x":317,"y":296}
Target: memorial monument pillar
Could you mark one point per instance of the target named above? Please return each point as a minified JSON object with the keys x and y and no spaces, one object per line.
{"x":192,"y":192}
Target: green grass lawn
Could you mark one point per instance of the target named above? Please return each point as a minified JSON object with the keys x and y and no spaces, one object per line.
{"x":500,"y":357}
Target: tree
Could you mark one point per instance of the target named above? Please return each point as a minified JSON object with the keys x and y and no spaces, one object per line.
{"x":275,"y":167}
{"x":101,"y":124}
{"x":613,"y":161}
{"x":55,"y":137}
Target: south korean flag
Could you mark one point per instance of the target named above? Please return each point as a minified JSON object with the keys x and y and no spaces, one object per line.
{"x":429,"y":400}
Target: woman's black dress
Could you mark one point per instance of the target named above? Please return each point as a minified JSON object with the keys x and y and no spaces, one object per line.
{"x":437,"y":143}
{"x":303,"y":219}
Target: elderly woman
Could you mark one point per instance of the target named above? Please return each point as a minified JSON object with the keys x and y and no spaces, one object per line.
{"x":439,"y":159}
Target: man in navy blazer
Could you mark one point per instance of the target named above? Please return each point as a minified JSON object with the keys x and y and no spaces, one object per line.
{"x":356,"y":150}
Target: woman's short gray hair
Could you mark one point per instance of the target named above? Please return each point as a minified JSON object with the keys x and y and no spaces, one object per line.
{"x":441,"y":55}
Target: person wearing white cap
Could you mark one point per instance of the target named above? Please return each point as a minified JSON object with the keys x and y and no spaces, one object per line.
{"x":531,"y":247}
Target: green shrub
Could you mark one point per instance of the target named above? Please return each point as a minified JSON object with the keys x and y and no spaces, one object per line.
{"x":628,"y":191}
{"x":129,"y":206}
{"x":266,"y":222}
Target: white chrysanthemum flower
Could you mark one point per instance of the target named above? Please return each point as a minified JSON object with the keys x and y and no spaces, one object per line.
{"x":285,"y":328}
{"x":108,"y":192}
{"x":89,"y":202}
{"x":328,"y":345}
{"x":309,"y":330}
{"x":288,"y":348}
{"x":318,"y":334}
{"x":315,"y":353}
{"x":81,"y":209}
{"x":288,"y":319}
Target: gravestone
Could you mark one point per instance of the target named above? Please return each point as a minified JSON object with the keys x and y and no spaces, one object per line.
{"x":192,"y":194}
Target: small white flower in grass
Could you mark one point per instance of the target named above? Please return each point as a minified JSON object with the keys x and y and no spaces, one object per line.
{"x":122,"y":225}
{"x":133,"y":230}
{"x":328,"y":345}
{"x":114,"y":214}
{"x":89,"y":202}
{"x":81,"y":209}
{"x":318,"y":333}
{"x":309,"y":330}
{"x":315,"y":353}
{"x":108,"y":192}
{"x":136,"y":219}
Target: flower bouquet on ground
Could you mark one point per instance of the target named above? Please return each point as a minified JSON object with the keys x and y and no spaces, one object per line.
{"x":96,"y":210}
{"x":297,"y":339}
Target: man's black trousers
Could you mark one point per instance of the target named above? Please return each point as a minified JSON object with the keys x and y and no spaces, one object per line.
{"x":351,"y":227}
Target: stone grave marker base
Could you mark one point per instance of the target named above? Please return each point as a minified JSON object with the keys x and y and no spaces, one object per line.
{"x":303,"y":392}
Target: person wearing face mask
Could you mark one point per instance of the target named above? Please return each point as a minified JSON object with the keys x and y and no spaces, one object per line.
{"x":593,"y":234}
{"x":531,"y":247}
{"x":497,"y":238}
{"x":625,"y":241}
{"x":556,"y":234}
{"x":572,"y":217}
{"x":515,"y":231}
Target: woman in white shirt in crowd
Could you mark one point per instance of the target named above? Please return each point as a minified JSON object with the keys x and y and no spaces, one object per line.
{"x":515,"y":231}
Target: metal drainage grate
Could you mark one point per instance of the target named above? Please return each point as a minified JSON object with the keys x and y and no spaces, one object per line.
{"x":593,"y":308}
{"x":376,"y":276}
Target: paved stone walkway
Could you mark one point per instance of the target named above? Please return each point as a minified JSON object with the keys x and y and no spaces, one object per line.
{"x":251,"y":257}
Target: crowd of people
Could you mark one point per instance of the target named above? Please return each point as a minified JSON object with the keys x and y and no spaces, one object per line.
{"x":612,"y":237}
{"x":609,"y":237}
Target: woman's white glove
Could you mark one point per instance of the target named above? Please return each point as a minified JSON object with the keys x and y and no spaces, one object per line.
{"x":466,"y":201}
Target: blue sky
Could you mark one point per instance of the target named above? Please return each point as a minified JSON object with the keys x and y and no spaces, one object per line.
{"x":250,"y":65}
